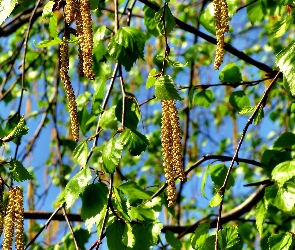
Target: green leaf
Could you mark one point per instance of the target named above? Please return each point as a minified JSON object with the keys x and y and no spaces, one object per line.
{"x":261,"y":210}
{"x":132,"y":190}
{"x":99,"y":35}
{"x":143,"y":238}
{"x":127,"y":46}
{"x":128,"y":236}
{"x":285,"y":140}
{"x":142,"y":214}
{"x":165,"y":88}
{"x":98,"y":98}
{"x":283,"y":197}
{"x":6,"y":7}
{"x":175,"y":64}
{"x":134,"y":141}
{"x":47,"y":10}
{"x":53,"y":26}
{"x":111,"y":155}
{"x":247,"y":110}
{"x":18,"y":131}
{"x":76,"y":186}
{"x":154,"y":229}
{"x":286,"y":61}
{"x":151,"y":79}
{"x":209,"y":243}
{"x":172,"y":240}
{"x":97,"y":219}
{"x":204,"y":180}
{"x":206,"y":19}
{"x":83,"y":99}
{"x":82,"y":236}
{"x":281,"y":241}
{"x":281,"y":27}
{"x":114,"y":233}
{"x":18,"y":172}
{"x":94,"y":199}
{"x":80,"y":153}
{"x":239,"y":100}
{"x":218,"y":173}
{"x":132,"y":111}
{"x":284,"y":2}
{"x":204,"y":98}
{"x":121,"y":204}
{"x":199,"y":53}
{"x":254,"y":11}
{"x":149,"y":20}
{"x":228,"y":238}
{"x":108,"y":120}
{"x":47,"y":43}
{"x":200,"y":235}
{"x":215,"y":201}
{"x":169,"y":20}
{"x":230,"y":74}
{"x":283,"y":172}
{"x":259,"y":116}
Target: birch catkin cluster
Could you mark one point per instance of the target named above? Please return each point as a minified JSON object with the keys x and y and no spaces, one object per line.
{"x":14,"y":219}
{"x":171,"y":148}
{"x":221,"y":26}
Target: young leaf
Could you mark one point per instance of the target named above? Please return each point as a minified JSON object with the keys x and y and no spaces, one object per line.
{"x":18,"y":131}
{"x":53,"y":26}
{"x":80,"y":153}
{"x":228,"y":238}
{"x":206,"y":19}
{"x":215,"y":201}
{"x":128,"y":236}
{"x":76,"y":186}
{"x":154,"y":229}
{"x":132,"y":190}
{"x":175,"y":64}
{"x":6,"y":7}
{"x":261,"y":210}
{"x":151,"y":79}
{"x":120,"y":204}
{"x":47,"y":43}
{"x":111,"y":155}
{"x":283,"y":197}
{"x":204,"y":180}
{"x":285,"y":61}
{"x":47,"y":10}
{"x":230,"y":74}
{"x":132,"y":112}
{"x":99,"y":35}
{"x":200,"y":235}
{"x":165,"y":88}
{"x":168,"y":18}
{"x":172,"y":240}
{"x":108,"y":120}
{"x":204,"y":98}
{"x":280,"y":241}
{"x":18,"y":172}
{"x":239,"y":100}
{"x":94,"y":199}
{"x":218,"y":173}
{"x":254,"y":11}
{"x":114,"y":233}
{"x":259,"y":116}
{"x":283,"y":172}
{"x":134,"y":141}
{"x":127,"y":46}
{"x":149,"y":20}
{"x":247,"y":110}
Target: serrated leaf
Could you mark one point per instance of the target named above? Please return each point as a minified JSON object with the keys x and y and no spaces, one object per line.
{"x":165,"y":88}
{"x":128,"y":236}
{"x":169,"y":20}
{"x":172,"y":240}
{"x":132,"y":190}
{"x":132,"y":111}
{"x":209,"y":243}
{"x":154,"y":229}
{"x":239,"y":100}
{"x":149,"y":20}
{"x":6,"y":7}
{"x":200,"y":235}
{"x":285,"y":60}
{"x":133,"y":141}
{"x":143,"y":238}
{"x":259,"y":116}
{"x":47,"y":43}
{"x":18,"y":172}
{"x":97,"y":220}
{"x":151,"y":79}
{"x":230,"y":74}
{"x":261,"y":210}
{"x":218,"y":173}
{"x":18,"y":131}
{"x":111,"y":155}
{"x":80,"y":153}
{"x":94,"y":199}
{"x":175,"y":64}
{"x":228,"y":238}
{"x":283,"y":172}
{"x":254,"y":11}
{"x":281,"y":27}
{"x":281,"y":241}
{"x":114,"y":233}
{"x":283,"y":197}
{"x":204,"y":98}
{"x":285,"y":140}
{"x":142,"y":213}
{"x":247,"y":110}
{"x":120,"y":204}
{"x":215,"y":201}
{"x":204,"y":180}
{"x":108,"y":120}
{"x":47,"y":10}
{"x":76,"y":186}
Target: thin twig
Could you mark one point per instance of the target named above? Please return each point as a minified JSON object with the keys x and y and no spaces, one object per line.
{"x":250,"y":120}
{"x":123,"y":96}
{"x":246,"y":5}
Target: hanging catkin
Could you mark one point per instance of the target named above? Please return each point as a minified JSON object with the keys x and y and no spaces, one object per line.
{"x":2,"y":213}
{"x":64,"y":68}
{"x":69,"y":10}
{"x":170,"y":139}
{"x":221,"y":26}
{"x":19,"y":219}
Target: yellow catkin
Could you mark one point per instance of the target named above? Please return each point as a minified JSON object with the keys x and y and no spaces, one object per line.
{"x":19,"y":219}
{"x":69,"y":11}
{"x":79,"y":30}
{"x":221,"y":26}
{"x":64,"y":68}
{"x":87,"y":43}
{"x":9,"y":221}
{"x":2,"y":214}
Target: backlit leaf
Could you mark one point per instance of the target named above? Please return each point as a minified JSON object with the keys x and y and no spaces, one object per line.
{"x":6,"y":7}
{"x":80,"y":153}
{"x":283,"y":171}
{"x":111,"y":155}
{"x":169,"y":20}
{"x":48,"y":43}
{"x":108,"y":120}
{"x":228,"y":238}
{"x":218,"y":173}
{"x":215,"y":201}
{"x":165,"y":88}
{"x":151,"y":79}
{"x":18,"y":172}
{"x":230,"y":74}
{"x":132,"y":190}
{"x":261,"y":210}
{"x":281,"y":241}
{"x":114,"y":235}
{"x":172,"y":240}
{"x":239,"y":100}
{"x":200,"y":235}
{"x":204,"y":98}
{"x":149,"y":20}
